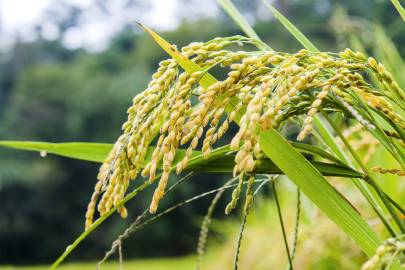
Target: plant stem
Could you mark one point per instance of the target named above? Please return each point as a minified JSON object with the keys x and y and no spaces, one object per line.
{"x":399,"y":207}
{"x":98,"y":222}
{"x":387,"y":203}
{"x":297,"y":224}
{"x":369,"y":179}
{"x":329,"y":139}
{"x":280,"y":217}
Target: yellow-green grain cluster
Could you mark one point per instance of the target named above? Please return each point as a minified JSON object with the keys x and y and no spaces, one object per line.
{"x":386,"y":253}
{"x":270,"y":87}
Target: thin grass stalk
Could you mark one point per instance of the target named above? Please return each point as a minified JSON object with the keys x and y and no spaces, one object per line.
{"x":294,"y":30}
{"x":370,"y":180}
{"x":174,"y":207}
{"x":128,"y":231}
{"x":399,"y":207}
{"x":280,"y":218}
{"x":230,"y":8}
{"x":139,"y":225}
{"x":97,"y":223}
{"x":297,"y":224}
{"x":244,"y":220}
{"x":101,"y":219}
{"x":202,"y":238}
{"x":360,"y":184}
{"x":400,"y":9}
{"x":120,"y":256}
{"x":381,"y":135}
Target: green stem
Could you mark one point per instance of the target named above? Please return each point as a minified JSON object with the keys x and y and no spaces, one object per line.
{"x":97,"y":223}
{"x":280,"y":217}
{"x":369,"y":179}
{"x":394,"y":203}
{"x":387,"y":203}
{"x":327,"y":136}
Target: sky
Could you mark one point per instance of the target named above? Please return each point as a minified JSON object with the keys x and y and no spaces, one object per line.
{"x":18,"y":17}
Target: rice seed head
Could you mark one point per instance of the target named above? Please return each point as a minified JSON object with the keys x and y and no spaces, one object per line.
{"x":264,"y":90}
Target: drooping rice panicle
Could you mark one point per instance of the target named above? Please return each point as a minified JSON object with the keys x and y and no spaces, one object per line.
{"x":271,"y":87}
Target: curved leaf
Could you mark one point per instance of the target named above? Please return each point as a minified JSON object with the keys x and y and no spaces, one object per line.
{"x":79,"y":150}
{"x":229,"y":7}
{"x":221,"y":161}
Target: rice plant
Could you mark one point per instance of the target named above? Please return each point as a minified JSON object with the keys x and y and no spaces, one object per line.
{"x":176,"y":124}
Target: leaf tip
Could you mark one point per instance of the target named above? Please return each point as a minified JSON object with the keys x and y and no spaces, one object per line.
{"x":141,"y":25}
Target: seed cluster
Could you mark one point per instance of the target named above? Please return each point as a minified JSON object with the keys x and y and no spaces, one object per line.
{"x":390,"y":171}
{"x":361,"y":141}
{"x":385,"y":254}
{"x":261,"y":90}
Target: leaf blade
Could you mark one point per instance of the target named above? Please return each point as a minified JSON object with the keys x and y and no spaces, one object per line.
{"x":95,"y":152}
{"x":234,"y":13}
{"x":318,"y":190}
{"x":400,"y":9}
{"x":292,"y":29}
{"x":221,"y":162}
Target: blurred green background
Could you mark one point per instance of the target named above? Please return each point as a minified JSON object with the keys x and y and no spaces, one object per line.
{"x":50,"y":91}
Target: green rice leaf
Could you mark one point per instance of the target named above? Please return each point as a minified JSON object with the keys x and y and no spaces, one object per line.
{"x":400,"y":9}
{"x":314,"y":150}
{"x":319,"y":123}
{"x":234,"y":13}
{"x":221,"y":162}
{"x":229,"y":7}
{"x":292,"y":29}
{"x":96,"y":152}
{"x":193,"y":160}
{"x":319,"y":191}
{"x":206,"y":80}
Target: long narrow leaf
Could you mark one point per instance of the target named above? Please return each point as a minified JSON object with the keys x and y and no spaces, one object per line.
{"x":79,"y":150}
{"x":319,"y":122}
{"x":400,"y":9}
{"x":292,"y":29}
{"x":314,"y":150}
{"x":128,"y":197}
{"x":319,"y":191}
{"x":234,"y":13}
{"x":221,"y":162}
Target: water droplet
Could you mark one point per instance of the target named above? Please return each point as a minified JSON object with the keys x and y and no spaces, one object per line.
{"x":43,"y":153}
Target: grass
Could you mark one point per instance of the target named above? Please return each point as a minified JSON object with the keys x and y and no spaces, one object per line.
{"x":181,"y":263}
